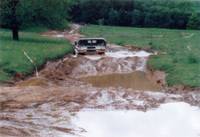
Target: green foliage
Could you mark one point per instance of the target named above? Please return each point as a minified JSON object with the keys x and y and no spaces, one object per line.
{"x":194,"y":21}
{"x":40,"y":49}
{"x":179,"y":49}
{"x":193,"y":59}
{"x":154,"y":13}
{"x":49,"y":13}
{"x":113,"y":17}
{"x":9,"y":14}
{"x":137,"y":18}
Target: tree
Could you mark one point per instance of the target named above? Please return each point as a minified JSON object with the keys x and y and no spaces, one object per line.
{"x":9,"y":17}
{"x":152,"y":13}
{"x":137,"y":18}
{"x":124,"y":18}
{"x":194,"y":22}
{"x":16,"y":14}
{"x":113,"y":17}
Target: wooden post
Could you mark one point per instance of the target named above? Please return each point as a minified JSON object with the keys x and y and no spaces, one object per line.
{"x":15,"y":32}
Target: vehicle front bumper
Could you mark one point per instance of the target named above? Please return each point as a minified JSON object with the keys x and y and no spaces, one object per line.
{"x":91,"y":50}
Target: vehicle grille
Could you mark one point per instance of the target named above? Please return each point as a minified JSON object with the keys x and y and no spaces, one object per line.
{"x":92,"y":48}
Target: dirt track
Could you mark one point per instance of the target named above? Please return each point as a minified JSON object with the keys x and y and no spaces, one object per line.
{"x":44,"y":105}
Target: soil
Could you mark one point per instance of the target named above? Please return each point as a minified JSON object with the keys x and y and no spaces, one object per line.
{"x":44,"y":105}
{"x":136,"y":80}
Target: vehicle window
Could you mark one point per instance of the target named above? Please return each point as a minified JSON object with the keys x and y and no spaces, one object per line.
{"x":92,"y":42}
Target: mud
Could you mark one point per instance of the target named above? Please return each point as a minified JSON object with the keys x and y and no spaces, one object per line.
{"x":71,"y":35}
{"x":137,"y":80}
{"x":119,"y":80}
{"x":49,"y":111}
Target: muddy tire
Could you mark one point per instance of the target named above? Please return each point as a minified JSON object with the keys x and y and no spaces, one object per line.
{"x":74,"y":52}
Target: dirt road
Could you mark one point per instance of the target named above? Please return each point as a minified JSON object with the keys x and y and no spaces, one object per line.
{"x":119,"y":80}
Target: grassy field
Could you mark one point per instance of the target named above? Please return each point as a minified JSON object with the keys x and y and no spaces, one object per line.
{"x":40,"y":49}
{"x":181,"y":60}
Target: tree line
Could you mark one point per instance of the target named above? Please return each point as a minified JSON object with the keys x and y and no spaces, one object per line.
{"x":19,"y":14}
{"x":136,"y":13}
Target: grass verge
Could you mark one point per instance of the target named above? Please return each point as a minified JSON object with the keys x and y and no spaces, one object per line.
{"x":180,"y":48}
{"x":40,"y":49}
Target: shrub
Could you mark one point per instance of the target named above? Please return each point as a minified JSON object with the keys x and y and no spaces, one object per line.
{"x":194,"y":21}
{"x":192,"y":59}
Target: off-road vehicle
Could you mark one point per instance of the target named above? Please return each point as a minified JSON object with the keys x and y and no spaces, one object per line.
{"x":90,"y":45}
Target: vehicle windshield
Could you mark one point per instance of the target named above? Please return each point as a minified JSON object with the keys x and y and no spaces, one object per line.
{"x":92,"y":42}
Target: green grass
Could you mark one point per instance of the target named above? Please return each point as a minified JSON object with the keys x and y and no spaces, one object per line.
{"x":37,"y":29}
{"x":181,"y":60}
{"x":40,"y":49}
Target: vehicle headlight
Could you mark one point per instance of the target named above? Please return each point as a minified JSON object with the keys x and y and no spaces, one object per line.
{"x":82,"y":48}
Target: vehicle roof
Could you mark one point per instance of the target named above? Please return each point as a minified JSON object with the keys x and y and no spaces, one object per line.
{"x":92,"y":39}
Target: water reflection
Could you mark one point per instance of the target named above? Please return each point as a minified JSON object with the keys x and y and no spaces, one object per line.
{"x":170,"y":120}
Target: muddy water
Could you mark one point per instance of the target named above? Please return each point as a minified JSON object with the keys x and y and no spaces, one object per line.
{"x":49,"y":112}
{"x":136,"y":80}
{"x":169,"y":120}
{"x":119,"y":67}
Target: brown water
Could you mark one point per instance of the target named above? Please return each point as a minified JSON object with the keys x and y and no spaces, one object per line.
{"x":137,"y":80}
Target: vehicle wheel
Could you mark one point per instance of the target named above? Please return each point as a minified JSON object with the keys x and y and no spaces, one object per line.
{"x":74,"y":52}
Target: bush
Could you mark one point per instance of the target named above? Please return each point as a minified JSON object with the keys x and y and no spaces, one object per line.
{"x":192,"y":59}
{"x":113,"y":17}
{"x":194,"y":21}
{"x":137,"y":18}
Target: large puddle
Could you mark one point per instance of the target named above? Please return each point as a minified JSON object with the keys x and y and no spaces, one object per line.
{"x":169,"y":120}
{"x":136,"y":80}
{"x":120,"y":68}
